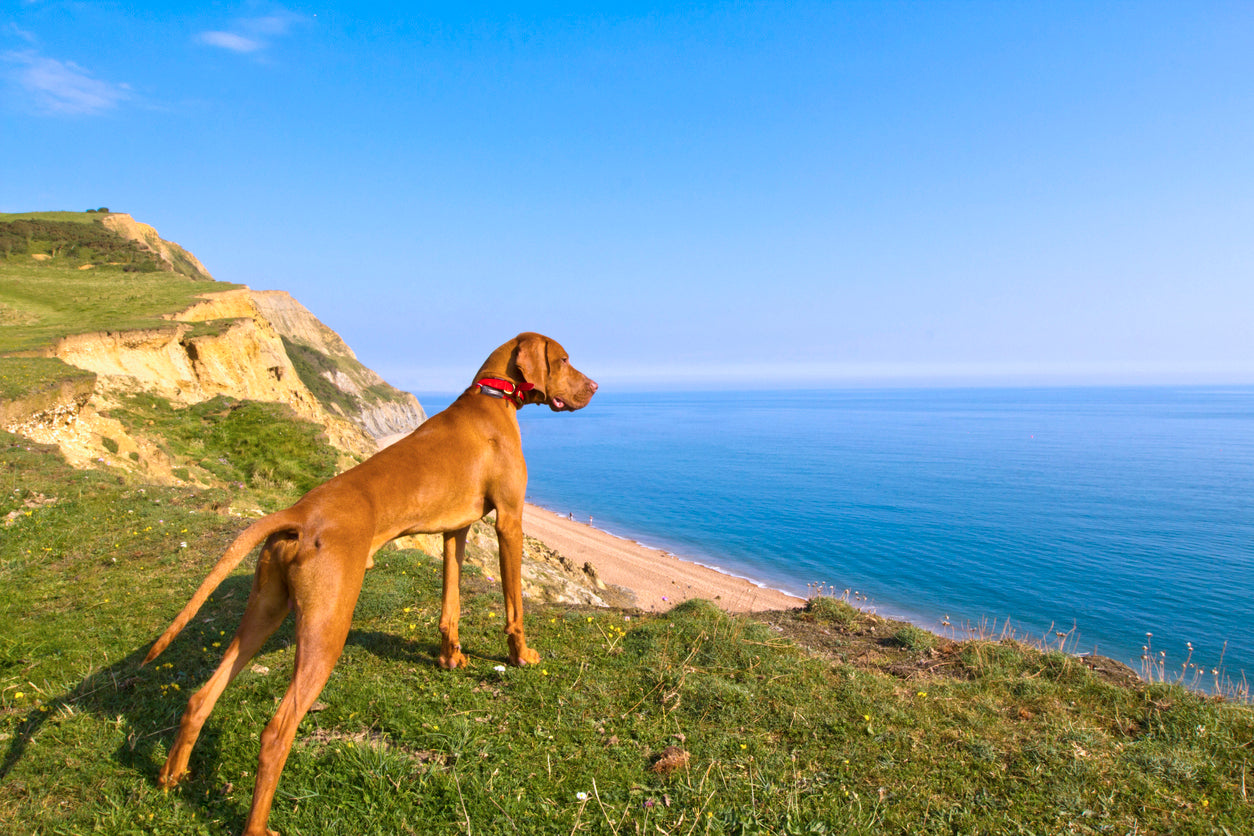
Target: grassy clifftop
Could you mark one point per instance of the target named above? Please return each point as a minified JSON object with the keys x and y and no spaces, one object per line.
{"x":67,"y":273}
{"x":91,"y":238}
{"x":825,"y":720}
{"x":64,"y":273}
{"x":75,"y":276}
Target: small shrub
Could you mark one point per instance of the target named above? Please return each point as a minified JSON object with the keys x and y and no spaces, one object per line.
{"x":698,"y":608}
{"x":994,"y":659}
{"x":110,"y":445}
{"x":833,"y":611}
{"x":915,"y":639}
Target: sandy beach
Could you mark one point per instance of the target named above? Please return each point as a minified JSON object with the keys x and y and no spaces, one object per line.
{"x":660,"y":579}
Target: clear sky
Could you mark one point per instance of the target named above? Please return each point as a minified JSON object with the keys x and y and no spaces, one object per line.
{"x":729,"y":194}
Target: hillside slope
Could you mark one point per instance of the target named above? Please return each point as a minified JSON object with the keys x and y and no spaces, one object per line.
{"x":694,"y":721}
{"x":817,"y":721}
{"x":98,"y":306}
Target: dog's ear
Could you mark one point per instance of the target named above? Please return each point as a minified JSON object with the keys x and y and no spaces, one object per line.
{"x":532,"y":360}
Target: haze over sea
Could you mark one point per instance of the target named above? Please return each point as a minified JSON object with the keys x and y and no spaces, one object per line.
{"x":1114,"y":511}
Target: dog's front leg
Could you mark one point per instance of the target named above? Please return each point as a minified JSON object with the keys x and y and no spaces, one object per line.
{"x":450,"y":611}
{"x":509,"y":540}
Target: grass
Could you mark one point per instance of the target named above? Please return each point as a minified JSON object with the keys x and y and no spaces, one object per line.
{"x":59,"y":217}
{"x":81,"y":239}
{"x":50,"y":301}
{"x":44,"y":301}
{"x":22,"y":376}
{"x":261,"y":450}
{"x":824,"y":720}
{"x":827,"y":720}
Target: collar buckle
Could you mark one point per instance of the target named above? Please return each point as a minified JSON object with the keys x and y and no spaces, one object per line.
{"x":495,"y":387}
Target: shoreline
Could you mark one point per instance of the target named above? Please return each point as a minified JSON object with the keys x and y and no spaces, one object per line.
{"x":659,"y":579}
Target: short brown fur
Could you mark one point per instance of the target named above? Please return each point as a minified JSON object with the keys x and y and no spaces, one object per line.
{"x":451,"y":471}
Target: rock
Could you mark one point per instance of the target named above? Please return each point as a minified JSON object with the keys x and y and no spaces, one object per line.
{"x":547,"y":575}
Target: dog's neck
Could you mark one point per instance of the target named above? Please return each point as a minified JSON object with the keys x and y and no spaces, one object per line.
{"x":499,"y":387}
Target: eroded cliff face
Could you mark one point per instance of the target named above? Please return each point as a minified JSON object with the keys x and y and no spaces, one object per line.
{"x":296,"y":322}
{"x":178,"y":259}
{"x":380,"y":409}
{"x":223,"y":345}
{"x":239,"y":360}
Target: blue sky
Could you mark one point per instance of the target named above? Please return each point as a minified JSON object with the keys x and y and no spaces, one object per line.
{"x":729,"y":194}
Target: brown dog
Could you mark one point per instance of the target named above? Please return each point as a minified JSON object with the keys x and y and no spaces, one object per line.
{"x":452,"y":470}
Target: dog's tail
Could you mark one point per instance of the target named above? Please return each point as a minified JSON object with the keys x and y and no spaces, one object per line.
{"x":237,"y":551}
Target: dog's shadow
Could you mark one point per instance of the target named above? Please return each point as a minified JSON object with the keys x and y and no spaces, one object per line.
{"x":137,"y":694}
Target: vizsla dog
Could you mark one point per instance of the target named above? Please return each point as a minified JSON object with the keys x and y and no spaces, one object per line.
{"x":452,"y":470}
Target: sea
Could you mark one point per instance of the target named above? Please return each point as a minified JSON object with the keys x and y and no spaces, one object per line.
{"x":1117,"y":521}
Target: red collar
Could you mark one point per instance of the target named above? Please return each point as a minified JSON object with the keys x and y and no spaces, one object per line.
{"x":497,"y":388}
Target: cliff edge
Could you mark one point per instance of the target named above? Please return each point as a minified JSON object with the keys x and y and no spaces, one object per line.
{"x":178,"y":259}
{"x":72,"y":300}
{"x":93,"y":319}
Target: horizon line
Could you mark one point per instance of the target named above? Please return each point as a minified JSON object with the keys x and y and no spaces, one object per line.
{"x":781,"y":377}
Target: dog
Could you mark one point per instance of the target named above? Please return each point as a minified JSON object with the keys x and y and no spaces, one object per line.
{"x":452,"y":470}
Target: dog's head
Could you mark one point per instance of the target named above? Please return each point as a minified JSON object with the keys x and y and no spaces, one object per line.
{"x":541,"y":362}
{"x":544,"y":364}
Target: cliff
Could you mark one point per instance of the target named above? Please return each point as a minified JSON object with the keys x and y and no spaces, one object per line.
{"x":74,"y":351}
{"x":175,"y":257}
{"x":362,"y":395}
{"x":223,"y":340}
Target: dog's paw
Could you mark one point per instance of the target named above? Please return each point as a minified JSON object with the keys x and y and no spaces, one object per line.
{"x":168,"y":780}
{"x":456,"y":659}
{"x":451,"y":655}
{"x":526,"y":656}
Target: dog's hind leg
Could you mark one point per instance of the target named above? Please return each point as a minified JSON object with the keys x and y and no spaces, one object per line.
{"x":325,"y":597}
{"x":267,"y":606}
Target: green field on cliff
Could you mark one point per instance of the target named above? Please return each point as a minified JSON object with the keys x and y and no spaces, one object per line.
{"x":62,"y":273}
{"x":70,"y":275}
{"x":826,"y":720}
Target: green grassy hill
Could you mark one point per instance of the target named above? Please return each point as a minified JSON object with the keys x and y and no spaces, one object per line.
{"x":824,"y":720}
{"x":64,"y":273}
{"x":69,"y":273}
{"x":819,"y":721}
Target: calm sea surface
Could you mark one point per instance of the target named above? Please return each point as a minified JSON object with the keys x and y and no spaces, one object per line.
{"x":1116,"y":511}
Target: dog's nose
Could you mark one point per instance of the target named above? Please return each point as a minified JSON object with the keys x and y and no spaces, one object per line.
{"x":592,"y":384}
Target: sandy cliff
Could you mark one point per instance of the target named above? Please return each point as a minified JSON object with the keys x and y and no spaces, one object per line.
{"x":238,"y":343}
{"x":177,"y":258}
{"x":220,"y":346}
{"x":378,"y":408}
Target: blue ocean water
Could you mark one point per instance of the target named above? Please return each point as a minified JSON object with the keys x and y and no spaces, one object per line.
{"x":1114,"y":511}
